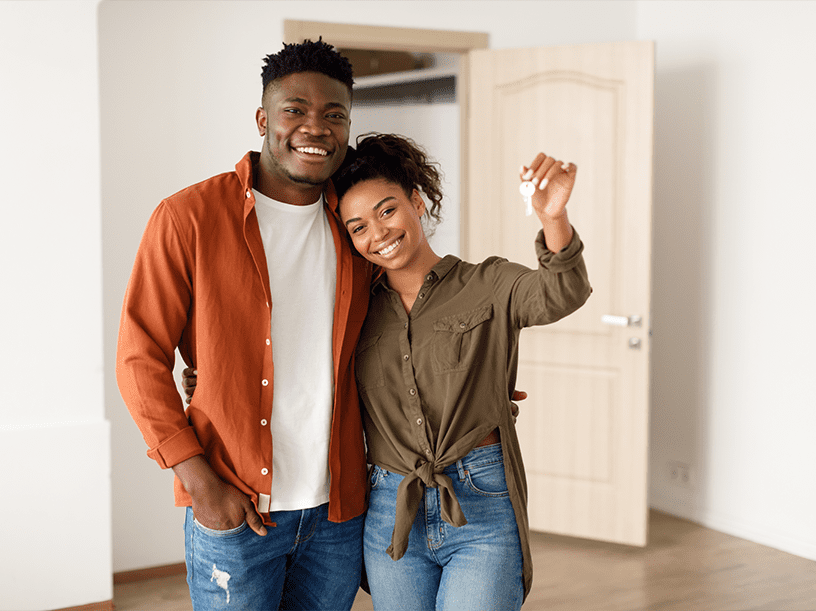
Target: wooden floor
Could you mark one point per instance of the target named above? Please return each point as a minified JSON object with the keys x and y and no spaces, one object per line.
{"x":685,"y":567}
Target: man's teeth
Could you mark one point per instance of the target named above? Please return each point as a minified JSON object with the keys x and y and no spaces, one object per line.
{"x":312,"y":150}
{"x":388,"y":249}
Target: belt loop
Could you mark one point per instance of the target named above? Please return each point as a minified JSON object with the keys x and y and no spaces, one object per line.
{"x":460,"y":467}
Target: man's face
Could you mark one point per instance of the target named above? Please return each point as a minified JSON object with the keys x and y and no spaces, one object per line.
{"x":305,"y":122}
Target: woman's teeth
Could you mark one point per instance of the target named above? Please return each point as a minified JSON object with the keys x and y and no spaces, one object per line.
{"x":388,"y":249}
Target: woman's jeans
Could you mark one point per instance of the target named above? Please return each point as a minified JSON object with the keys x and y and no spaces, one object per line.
{"x":305,"y":562}
{"x":474,"y":567}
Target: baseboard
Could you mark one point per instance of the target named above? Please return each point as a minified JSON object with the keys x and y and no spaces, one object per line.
{"x":757,"y":533}
{"x":106,"y":605}
{"x":150,"y":573}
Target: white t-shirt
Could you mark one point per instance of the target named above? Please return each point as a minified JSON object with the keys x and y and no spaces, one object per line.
{"x":302,"y":263}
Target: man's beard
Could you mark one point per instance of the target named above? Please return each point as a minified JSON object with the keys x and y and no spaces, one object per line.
{"x":302,"y":180}
{"x":284,"y":171}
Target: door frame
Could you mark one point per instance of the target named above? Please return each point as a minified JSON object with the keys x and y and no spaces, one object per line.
{"x":387,"y":38}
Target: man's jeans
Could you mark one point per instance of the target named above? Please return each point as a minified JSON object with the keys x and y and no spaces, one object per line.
{"x":475,"y":566}
{"x":305,"y":562}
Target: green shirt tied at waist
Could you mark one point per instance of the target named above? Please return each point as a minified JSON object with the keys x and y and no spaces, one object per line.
{"x":437,"y":381}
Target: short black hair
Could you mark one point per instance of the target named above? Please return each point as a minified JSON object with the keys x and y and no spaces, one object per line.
{"x":307,"y":56}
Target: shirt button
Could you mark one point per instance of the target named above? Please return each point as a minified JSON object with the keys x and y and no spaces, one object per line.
{"x":264,"y":471}
{"x":268,"y":342}
{"x":429,"y":277}
{"x":263,"y":422}
{"x":421,"y":295}
{"x":265,"y":382}
{"x":419,"y":421}
{"x":428,"y":452}
{"x":412,"y":392}
{"x":406,"y":357}
{"x":405,"y":326}
{"x":462,"y":325}
{"x":249,"y":194}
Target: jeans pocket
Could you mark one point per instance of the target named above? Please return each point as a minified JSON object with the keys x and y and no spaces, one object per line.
{"x":487,"y":480}
{"x":211,"y":532}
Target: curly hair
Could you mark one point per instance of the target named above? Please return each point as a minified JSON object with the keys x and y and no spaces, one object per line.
{"x":307,"y":56}
{"x":396,"y":159}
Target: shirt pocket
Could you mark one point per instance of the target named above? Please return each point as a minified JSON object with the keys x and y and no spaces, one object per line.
{"x":369,"y":368}
{"x":457,"y":339}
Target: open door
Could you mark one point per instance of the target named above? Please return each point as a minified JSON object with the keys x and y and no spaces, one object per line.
{"x":584,"y":429}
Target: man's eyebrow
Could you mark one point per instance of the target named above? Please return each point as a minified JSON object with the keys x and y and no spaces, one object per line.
{"x":305,"y":102}
{"x":357,"y":218}
{"x":336,"y":105}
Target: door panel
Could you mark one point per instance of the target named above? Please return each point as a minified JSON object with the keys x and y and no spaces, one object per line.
{"x":584,"y":428}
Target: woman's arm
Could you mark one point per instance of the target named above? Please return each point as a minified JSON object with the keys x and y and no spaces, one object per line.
{"x":560,"y":284}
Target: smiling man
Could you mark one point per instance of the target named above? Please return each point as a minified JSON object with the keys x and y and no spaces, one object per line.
{"x":305,"y":124}
{"x":250,"y":275}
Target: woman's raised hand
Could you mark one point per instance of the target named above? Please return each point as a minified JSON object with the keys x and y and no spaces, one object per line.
{"x":553,"y":180}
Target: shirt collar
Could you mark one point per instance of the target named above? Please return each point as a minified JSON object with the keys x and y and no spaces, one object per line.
{"x":439,"y":271}
{"x":245,"y":167}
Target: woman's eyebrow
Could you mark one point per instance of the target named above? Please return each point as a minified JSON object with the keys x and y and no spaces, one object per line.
{"x":380,"y":203}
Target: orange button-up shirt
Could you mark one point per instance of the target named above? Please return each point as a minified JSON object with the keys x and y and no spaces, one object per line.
{"x":200,"y":284}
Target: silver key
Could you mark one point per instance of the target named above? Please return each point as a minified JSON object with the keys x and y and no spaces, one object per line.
{"x":527,"y":189}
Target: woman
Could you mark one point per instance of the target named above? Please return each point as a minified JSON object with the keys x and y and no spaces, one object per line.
{"x":436,"y":365}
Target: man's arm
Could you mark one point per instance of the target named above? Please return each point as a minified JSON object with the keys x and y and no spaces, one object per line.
{"x":154,"y":316}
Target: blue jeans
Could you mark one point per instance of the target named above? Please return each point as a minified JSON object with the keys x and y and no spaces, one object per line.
{"x":476,"y":566}
{"x":305,"y":562}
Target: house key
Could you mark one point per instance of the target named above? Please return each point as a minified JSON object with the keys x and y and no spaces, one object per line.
{"x":527,"y":189}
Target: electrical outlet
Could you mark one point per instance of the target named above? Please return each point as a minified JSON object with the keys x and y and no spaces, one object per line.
{"x":679,"y":473}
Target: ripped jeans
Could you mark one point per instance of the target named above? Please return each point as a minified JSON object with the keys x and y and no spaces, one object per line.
{"x":305,"y":562}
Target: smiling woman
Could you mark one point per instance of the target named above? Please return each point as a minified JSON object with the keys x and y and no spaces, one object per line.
{"x":436,"y":364}
{"x":382,"y":207}
{"x":384,"y":224}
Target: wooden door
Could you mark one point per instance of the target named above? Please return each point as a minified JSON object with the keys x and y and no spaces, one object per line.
{"x":584,"y":428}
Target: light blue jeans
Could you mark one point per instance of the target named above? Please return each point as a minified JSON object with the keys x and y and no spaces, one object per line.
{"x":305,"y":562}
{"x":474,"y":567}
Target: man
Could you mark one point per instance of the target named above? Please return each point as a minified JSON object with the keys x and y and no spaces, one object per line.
{"x":233,"y":271}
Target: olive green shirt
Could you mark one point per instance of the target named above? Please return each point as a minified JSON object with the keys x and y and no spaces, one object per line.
{"x":437,"y":381}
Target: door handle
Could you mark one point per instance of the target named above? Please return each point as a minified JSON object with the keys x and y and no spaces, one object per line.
{"x":621,"y":321}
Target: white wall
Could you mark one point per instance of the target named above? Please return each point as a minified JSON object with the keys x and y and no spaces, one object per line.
{"x":54,"y":439}
{"x":180,"y":82}
{"x":734,"y":385}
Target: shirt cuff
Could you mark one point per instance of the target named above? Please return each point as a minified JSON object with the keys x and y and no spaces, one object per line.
{"x":563,"y":260}
{"x":176,"y":449}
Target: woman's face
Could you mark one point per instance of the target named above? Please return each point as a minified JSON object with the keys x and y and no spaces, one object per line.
{"x":384,"y":223}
